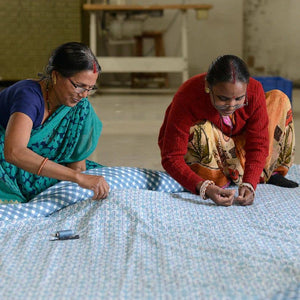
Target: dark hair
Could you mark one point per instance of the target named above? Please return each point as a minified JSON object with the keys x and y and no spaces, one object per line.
{"x":227,"y":68}
{"x":71,"y":58}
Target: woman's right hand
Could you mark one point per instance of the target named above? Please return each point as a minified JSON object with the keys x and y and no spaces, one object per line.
{"x":95,"y":183}
{"x":219,"y":195}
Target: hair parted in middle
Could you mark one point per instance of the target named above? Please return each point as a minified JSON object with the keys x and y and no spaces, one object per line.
{"x":227,"y":68}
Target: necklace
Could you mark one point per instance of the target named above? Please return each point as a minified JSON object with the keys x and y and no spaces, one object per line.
{"x":47,"y":98}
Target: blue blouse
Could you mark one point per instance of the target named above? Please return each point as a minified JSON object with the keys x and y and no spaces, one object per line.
{"x":24,"y":96}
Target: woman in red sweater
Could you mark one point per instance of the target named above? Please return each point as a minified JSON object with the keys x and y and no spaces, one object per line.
{"x":222,"y":128}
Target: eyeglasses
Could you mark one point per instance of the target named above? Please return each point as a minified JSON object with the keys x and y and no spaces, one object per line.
{"x":226,"y":106}
{"x":81,"y":90}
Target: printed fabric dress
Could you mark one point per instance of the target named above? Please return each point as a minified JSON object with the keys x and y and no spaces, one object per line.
{"x":221,"y":158}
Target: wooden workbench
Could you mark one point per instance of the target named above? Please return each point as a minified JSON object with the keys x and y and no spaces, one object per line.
{"x":144,"y":64}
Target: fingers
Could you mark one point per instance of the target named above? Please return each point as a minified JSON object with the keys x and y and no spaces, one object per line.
{"x":227,"y":193}
{"x":226,"y":197}
{"x":220,"y":196}
{"x":245,"y":201}
{"x":245,"y":197}
{"x":95,"y":183}
{"x":224,"y":200}
{"x":101,"y":191}
{"x":98,"y":195}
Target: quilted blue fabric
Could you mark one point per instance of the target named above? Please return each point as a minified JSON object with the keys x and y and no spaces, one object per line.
{"x":65,"y":193}
{"x":143,"y":244}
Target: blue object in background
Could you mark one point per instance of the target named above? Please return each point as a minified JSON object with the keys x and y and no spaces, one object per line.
{"x":279,"y":83}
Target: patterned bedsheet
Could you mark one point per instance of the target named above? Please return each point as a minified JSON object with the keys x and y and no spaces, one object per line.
{"x":152,"y":244}
{"x":66,"y":193}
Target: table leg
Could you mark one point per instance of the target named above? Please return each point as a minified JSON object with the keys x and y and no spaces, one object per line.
{"x":184,"y":44}
{"x":93,"y":32}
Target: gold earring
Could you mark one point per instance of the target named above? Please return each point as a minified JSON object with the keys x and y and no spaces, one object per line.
{"x":54,"y":80}
{"x":207,"y":90}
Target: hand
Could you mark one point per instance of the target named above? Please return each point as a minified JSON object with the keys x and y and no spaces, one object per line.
{"x":245,"y":197}
{"x":219,"y":195}
{"x":95,"y":183}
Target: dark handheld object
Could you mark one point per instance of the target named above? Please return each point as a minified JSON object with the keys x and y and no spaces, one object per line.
{"x":64,"y":235}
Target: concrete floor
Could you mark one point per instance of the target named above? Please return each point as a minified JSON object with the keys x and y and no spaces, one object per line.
{"x":131,"y":124}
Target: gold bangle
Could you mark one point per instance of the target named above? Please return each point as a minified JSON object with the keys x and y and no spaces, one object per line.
{"x":42,"y":165}
{"x":203,"y":188}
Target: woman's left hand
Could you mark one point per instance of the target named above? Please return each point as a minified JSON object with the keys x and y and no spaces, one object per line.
{"x":245,"y":197}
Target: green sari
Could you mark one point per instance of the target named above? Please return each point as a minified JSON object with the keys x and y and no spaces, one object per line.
{"x":69,"y":135}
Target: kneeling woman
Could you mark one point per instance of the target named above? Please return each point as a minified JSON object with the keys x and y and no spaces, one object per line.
{"x":221,"y":127}
{"x":48,"y":127}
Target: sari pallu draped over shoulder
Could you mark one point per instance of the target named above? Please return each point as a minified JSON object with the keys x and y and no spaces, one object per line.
{"x":69,"y":135}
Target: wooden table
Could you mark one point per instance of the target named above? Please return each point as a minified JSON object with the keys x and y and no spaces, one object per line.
{"x":131,"y":64}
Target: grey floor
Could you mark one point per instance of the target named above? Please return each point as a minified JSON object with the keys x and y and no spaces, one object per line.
{"x":131,"y":124}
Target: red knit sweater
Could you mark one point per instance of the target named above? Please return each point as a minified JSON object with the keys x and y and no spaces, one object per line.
{"x":191,"y":104}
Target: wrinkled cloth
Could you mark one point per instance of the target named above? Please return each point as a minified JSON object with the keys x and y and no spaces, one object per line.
{"x":148,"y":244}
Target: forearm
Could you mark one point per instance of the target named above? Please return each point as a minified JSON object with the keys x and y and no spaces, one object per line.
{"x":257,"y":140}
{"x":256,"y":154}
{"x":30,"y":161}
{"x":78,"y":166}
{"x":252,"y":174}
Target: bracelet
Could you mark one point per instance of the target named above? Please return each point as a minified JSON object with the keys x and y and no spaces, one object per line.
{"x":42,"y":165}
{"x":203,"y":188}
{"x":249,"y":186}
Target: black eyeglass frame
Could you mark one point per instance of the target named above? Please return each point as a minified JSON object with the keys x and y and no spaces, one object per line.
{"x":226,"y":106}
{"x":81,"y":90}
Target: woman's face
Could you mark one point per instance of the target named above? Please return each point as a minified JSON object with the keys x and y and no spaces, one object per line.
{"x":70,"y":90}
{"x":227,"y":97}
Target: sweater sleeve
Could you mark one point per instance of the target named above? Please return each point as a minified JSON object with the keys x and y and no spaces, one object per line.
{"x":257,"y":137}
{"x":173,"y":141}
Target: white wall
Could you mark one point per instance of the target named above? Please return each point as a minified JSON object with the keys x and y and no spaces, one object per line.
{"x":272,"y":39}
{"x":263,"y":32}
{"x":221,"y":33}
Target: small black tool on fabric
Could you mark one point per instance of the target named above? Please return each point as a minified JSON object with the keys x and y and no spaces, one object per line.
{"x":63,"y":235}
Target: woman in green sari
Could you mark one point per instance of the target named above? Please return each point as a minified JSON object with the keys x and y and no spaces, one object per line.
{"x":48,"y":127}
